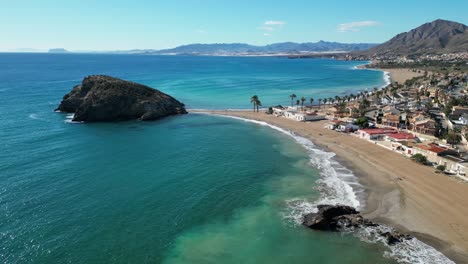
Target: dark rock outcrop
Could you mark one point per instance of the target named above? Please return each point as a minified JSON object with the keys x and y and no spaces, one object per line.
{"x":337,"y":217}
{"x":395,"y":237}
{"x":102,"y":98}
{"x":327,"y":217}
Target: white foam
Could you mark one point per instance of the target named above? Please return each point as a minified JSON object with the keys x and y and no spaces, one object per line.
{"x":34,"y":116}
{"x":338,"y":185}
{"x":407,"y":251}
{"x":69,"y":119}
{"x":387,"y":79}
{"x":386,"y":75}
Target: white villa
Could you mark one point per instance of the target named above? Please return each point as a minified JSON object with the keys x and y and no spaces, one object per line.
{"x":297,"y":115}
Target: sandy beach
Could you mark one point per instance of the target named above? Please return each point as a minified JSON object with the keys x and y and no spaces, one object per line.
{"x":401,"y":75}
{"x":400,"y":192}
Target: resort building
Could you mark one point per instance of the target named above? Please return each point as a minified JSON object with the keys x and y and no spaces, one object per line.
{"x":391,"y":119}
{"x":432,"y":150}
{"x":302,"y":117}
{"x":458,"y":111}
{"x":278,"y":111}
{"x":400,"y":137}
{"x":347,"y":127}
{"x":375,"y":134}
{"x":426,"y":126}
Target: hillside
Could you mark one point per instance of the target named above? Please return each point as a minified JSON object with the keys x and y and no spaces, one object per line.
{"x":437,"y":37}
{"x":276,"y":48}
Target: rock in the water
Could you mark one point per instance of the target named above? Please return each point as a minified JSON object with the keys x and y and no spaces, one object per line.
{"x":337,"y":217}
{"x":102,"y":98}
{"x":354,"y":220}
{"x":395,"y":237}
{"x":327,"y":217}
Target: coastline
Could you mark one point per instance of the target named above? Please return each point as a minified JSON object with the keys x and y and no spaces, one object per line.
{"x":399,"y":75}
{"x":400,"y":193}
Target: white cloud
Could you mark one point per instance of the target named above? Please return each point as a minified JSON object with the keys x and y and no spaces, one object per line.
{"x":356,"y":26}
{"x":271,"y":25}
{"x":274,"y":23}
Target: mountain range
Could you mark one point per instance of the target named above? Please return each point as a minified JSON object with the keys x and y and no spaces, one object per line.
{"x":436,"y":37}
{"x":246,"y":49}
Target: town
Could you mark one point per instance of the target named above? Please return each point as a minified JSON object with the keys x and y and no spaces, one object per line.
{"x":425,"y":118}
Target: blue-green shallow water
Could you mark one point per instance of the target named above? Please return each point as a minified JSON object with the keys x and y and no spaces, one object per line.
{"x":199,"y":82}
{"x":186,"y":189}
{"x":190,"y":189}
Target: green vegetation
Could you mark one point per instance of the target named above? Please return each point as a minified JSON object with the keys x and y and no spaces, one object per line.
{"x":427,"y":65}
{"x":303,"y":99}
{"x":440,"y":168}
{"x":460,"y":101}
{"x":256,"y":102}
{"x":292,"y":96}
{"x":363,"y":105}
{"x":420,"y":158}
{"x":362,"y":122}
{"x":453,"y":137}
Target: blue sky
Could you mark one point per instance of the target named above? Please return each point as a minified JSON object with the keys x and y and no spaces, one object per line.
{"x":118,"y":24}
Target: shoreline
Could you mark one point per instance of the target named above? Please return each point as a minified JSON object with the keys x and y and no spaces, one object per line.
{"x":399,"y":75}
{"x":400,"y":193}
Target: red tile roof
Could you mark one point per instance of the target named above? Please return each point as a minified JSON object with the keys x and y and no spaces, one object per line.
{"x":433,"y":148}
{"x":402,"y":135}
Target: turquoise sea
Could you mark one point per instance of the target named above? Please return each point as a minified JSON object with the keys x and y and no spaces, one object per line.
{"x":186,"y":189}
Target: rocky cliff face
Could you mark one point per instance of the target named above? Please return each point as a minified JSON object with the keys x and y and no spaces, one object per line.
{"x":436,"y":37}
{"x":102,"y":98}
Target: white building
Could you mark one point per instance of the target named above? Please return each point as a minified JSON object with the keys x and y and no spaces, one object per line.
{"x":302,"y":117}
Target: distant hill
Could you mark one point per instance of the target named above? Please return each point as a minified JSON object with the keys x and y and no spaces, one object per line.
{"x":58,"y":50}
{"x":246,"y":49}
{"x":437,"y":37}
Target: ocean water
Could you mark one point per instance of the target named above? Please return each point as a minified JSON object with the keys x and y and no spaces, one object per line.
{"x":187,"y":189}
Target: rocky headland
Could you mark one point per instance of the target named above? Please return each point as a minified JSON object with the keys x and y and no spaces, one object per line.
{"x":101,"y":98}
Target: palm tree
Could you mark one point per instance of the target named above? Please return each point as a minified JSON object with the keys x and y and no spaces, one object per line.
{"x":292,"y":96}
{"x":297,"y":104}
{"x":311,"y":101}
{"x":303,"y":99}
{"x":320,"y":100}
{"x":453,"y":138}
{"x":259,"y":103}
{"x":254,"y":100}
{"x":324,"y":101}
{"x":330,"y":100}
